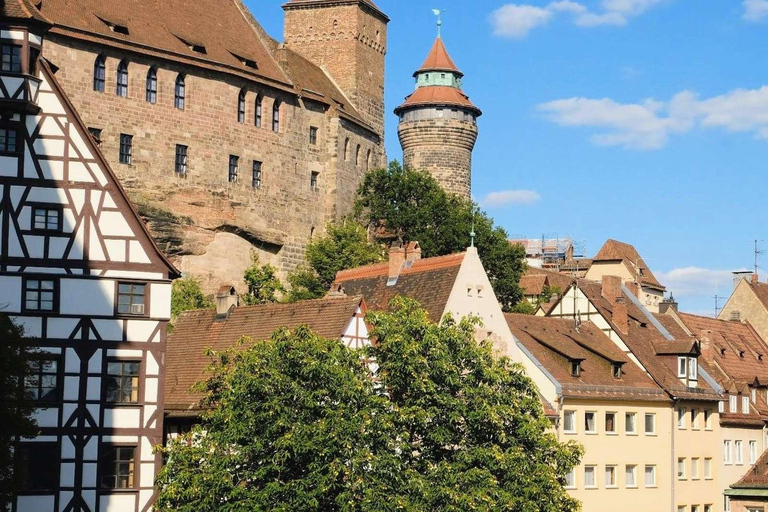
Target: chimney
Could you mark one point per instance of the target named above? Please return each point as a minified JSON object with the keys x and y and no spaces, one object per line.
{"x":396,"y":260}
{"x":413,"y":251}
{"x":755,"y":279}
{"x":226,"y":299}
{"x":706,"y":345}
{"x":634,"y":287}
{"x":336,"y":291}
{"x":735,"y":316}
{"x":620,"y":315}
{"x":611,"y":288}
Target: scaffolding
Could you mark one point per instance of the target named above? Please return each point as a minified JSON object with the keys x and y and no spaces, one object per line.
{"x":548,"y":251}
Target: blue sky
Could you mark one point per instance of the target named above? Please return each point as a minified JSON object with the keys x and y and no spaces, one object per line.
{"x":640,"y":120}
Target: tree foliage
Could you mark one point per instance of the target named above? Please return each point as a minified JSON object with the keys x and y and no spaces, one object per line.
{"x":527,"y":307}
{"x":264,"y":286}
{"x":16,"y":413}
{"x":437,"y":424}
{"x":412,"y":206}
{"x":186,"y":295}
{"x":344,"y":245}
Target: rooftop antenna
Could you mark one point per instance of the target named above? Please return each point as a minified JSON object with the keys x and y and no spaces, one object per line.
{"x":717,"y":304}
{"x":439,"y":15}
{"x":758,"y":252}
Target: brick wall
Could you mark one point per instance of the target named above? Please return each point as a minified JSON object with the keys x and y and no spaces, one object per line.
{"x":187,"y":213}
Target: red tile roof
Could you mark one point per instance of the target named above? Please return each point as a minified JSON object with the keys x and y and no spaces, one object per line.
{"x":438,"y":60}
{"x":615,"y":250}
{"x":761,"y":291}
{"x":428,"y":281}
{"x":756,"y":476}
{"x":22,"y":10}
{"x":556,"y":343}
{"x":439,"y":96}
{"x":195,"y":331}
{"x":534,"y":280}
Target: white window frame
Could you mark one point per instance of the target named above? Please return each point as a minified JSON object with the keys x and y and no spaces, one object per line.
{"x":627,"y":431}
{"x":727,"y":456}
{"x":681,"y":418}
{"x":572,"y":475}
{"x":738,"y":448}
{"x":593,"y":469}
{"x":708,"y":419}
{"x":681,"y":475}
{"x":611,"y":469}
{"x":708,"y":468}
{"x":744,"y":405}
{"x":753,"y":394}
{"x":615,"y":430}
{"x":651,"y":415}
{"x":721,"y":406}
{"x":752,"y":451}
{"x":682,"y":367}
{"x":630,"y":471}
{"x":594,"y":422}
{"x":572,"y":416}
{"x":652,"y":484}
{"x":694,"y":468}
{"x":694,"y":419}
{"x":733,"y":404}
{"x":693,"y":368}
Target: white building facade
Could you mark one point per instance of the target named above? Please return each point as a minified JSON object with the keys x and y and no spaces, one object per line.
{"x":81,"y":274}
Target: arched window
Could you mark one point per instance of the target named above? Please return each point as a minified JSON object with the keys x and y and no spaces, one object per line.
{"x":357,"y":155}
{"x":122,"y":79}
{"x":152,"y":85}
{"x":276,"y":116}
{"x":368,"y":160}
{"x":241,"y":107}
{"x":99,"y":74}
{"x":259,"y":102}
{"x":346,"y":150}
{"x":180,"y":92}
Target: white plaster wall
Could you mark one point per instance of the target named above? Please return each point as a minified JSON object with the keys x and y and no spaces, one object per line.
{"x":94,"y":297}
{"x":10,"y":294}
{"x":160,"y":302}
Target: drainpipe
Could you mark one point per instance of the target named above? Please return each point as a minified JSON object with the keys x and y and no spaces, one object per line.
{"x":673,"y":462}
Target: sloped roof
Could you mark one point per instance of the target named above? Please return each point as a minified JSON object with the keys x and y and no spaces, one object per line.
{"x":22,"y":10}
{"x":438,"y":60}
{"x":654,"y":351}
{"x":556,"y":343}
{"x":615,"y":250}
{"x":756,"y":477}
{"x":439,"y":96}
{"x":534,"y":279}
{"x":761,"y":291}
{"x":195,"y":331}
{"x":428,"y":281}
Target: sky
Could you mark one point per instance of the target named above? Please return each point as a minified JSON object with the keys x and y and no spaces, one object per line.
{"x":645,"y":121}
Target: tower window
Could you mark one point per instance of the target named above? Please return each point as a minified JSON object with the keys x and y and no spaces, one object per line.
{"x":152,"y":85}
{"x":11,"y":58}
{"x":126,"y":149}
{"x":357,"y":155}
{"x":234,"y":160}
{"x":181,"y":161}
{"x":96,"y":134}
{"x":241,"y":107}
{"x":122,"y":79}
{"x":256,"y":176}
{"x":276,"y":117}
{"x":99,"y":74}
{"x":180,"y":92}
{"x":368,"y":161}
{"x":346,"y":149}
{"x":259,"y":102}
{"x":313,"y":181}
{"x":313,"y":135}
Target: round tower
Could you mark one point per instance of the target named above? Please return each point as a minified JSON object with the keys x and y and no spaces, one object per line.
{"x":438,"y":123}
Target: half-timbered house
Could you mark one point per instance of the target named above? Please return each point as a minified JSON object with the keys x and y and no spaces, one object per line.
{"x":80,"y":273}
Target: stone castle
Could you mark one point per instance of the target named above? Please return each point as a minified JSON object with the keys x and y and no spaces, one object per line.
{"x":228,"y":141}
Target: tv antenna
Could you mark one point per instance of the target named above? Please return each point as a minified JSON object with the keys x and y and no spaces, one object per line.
{"x":718,"y":298}
{"x":758,"y":252}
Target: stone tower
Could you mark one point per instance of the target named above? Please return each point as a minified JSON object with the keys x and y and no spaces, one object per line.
{"x":348,"y":38}
{"x":438,"y":123}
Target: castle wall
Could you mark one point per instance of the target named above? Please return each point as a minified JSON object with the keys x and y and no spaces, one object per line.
{"x":185,"y":215}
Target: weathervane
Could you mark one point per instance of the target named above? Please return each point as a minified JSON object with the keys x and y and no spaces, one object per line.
{"x":439,"y":14}
{"x":472,"y":233}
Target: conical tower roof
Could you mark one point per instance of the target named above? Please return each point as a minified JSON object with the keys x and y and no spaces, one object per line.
{"x":22,"y":10}
{"x":438,"y":60}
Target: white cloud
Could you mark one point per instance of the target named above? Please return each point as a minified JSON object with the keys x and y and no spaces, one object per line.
{"x":755,"y":10}
{"x":517,"y":20}
{"x":510,"y":197}
{"x":648,"y":124}
{"x":695,"y":281}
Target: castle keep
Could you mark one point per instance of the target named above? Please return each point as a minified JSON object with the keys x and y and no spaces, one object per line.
{"x":438,"y":123}
{"x":226,"y":140}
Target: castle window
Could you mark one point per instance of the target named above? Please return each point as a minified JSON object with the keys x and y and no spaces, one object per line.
{"x":126,"y":149}
{"x":96,"y":135}
{"x":38,"y":466}
{"x":131,"y":299}
{"x":152,"y":85}
{"x":256,"y":174}
{"x":346,"y":150}
{"x":241,"y":107}
{"x":357,"y":155}
{"x":368,"y":160}
{"x":233,"y":163}
{"x":313,"y":181}
{"x":181,"y":161}
{"x":259,"y":103}
{"x":122,"y":79}
{"x":117,"y":467}
{"x":122,"y":382}
{"x":40,"y":295}
{"x":8,"y":140}
{"x":99,"y":74}
{"x":180,"y":92}
{"x":313,"y":135}
{"x":46,"y":219}
{"x":11,"y":58}
{"x":276,"y":116}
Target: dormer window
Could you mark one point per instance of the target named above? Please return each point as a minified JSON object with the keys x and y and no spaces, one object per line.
{"x":195,"y":47}
{"x":753,"y":394}
{"x":733,"y":403}
{"x":114,"y":27}
{"x":693,"y":368}
{"x":682,"y":367}
{"x":616,"y":370}
{"x":576,"y":369}
{"x":11,"y":55}
{"x":722,"y":352}
{"x":741,"y":354}
{"x":745,"y":405}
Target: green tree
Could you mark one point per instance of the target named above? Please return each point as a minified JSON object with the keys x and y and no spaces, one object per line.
{"x":295,"y":425}
{"x":526,"y":307}
{"x":344,"y":245}
{"x":15,"y":412}
{"x":299,"y":423}
{"x":186,"y":294}
{"x":263,"y":283}
{"x":412,"y":206}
